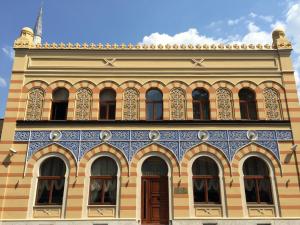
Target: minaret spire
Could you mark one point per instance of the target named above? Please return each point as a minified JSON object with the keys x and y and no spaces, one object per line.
{"x":38,"y":27}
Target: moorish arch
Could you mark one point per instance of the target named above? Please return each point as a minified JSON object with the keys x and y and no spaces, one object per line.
{"x":104,"y":148}
{"x":162,"y":181}
{"x":35,"y":169}
{"x":257,"y":149}
{"x":274,"y":171}
{"x":155,"y":148}
{"x":209,"y":161}
{"x":56,"y":149}
{"x":205,"y":148}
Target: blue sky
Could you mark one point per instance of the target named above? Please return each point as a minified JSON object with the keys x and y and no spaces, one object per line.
{"x":147,"y":21}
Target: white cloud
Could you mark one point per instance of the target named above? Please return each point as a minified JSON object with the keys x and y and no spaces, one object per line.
{"x":2,"y":82}
{"x":8,"y":51}
{"x":192,"y":36}
{"x":232,"y":22}
{"x":267,"y":19}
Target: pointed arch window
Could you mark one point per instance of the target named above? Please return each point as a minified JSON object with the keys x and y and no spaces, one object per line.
{"x":272,"y":104}
{"x":248,"y":105}
{"x":103,"y":182}
{"x":83,"y":104}
{"x":60,"y":100}
{"x":257,"y":181}
{"x":154,"y":104}
{"x":201,"y":108}
{"x":107,"y":104}
{"x":51,"y":181}
{"x":35,"y":104}
{"x":206,"y":184}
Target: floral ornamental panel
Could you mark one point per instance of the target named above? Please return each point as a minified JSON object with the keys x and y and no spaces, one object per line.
{"x":272,"y":104}
{"x":35,"y":104}
{"x":177,"y":98}
{"x":224,"y":104}
{"x":129,"y":142}
{"x":83,"y":104}
{"x":131,"y":104}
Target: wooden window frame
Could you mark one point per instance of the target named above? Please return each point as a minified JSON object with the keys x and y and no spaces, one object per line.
{"x":199,"y":105}
{"x":247,"y":104}
{"x":154,"y":109}
{"x":50,"y":195}
{"x":106,"y":105}
{"x":206,"y":179}
{"x":102,"y":191}
{"x":256,"y":179}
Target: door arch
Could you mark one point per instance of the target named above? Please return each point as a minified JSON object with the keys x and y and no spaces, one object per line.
{"x":153,"y":185}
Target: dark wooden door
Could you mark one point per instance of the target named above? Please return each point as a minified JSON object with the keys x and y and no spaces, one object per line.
{"x":155,"y":200}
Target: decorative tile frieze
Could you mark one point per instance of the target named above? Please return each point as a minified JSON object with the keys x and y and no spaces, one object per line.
{"x":79,"y":142}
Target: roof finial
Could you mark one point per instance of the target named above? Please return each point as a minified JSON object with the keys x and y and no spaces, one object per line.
{"x":38,"y":27}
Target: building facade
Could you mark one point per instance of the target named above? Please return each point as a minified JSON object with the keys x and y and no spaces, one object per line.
{"x":137,"y":134}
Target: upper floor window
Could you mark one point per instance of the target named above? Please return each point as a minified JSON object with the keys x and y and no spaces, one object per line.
{"x":248,"y":104}
{"x":103,"y":182}
{"x":154,"y":104}
{"x":257,"y":181}
{"x":206,"y":185}
{"x":107,"y":104}
{"x":201,"y":110}
{"x":60,"y":101}
{"x":51,"y":182}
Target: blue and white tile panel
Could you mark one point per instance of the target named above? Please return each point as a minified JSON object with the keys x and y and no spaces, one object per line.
{"x":131,"y":141}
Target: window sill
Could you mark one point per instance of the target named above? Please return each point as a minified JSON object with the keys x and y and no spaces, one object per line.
{"x":261,"y":210}
{"x":208,"y":210}
{"x":107,"y":211}
{"x":47,"y":211}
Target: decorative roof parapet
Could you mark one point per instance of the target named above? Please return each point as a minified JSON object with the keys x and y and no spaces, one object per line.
{"x":26,"y":41}
{"x":280,"y":41}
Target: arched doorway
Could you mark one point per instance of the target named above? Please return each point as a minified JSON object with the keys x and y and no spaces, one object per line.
{"x":155,"y":196}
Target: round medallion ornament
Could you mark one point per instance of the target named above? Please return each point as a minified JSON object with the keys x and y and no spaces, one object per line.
{"x":203,"y":135}
{"x":55,"y":135}
{"x":251,"y":135}
{"x":154,"y":135}
{"x":105,"y":135}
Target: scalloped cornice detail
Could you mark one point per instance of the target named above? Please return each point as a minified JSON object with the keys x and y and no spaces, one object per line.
{"x":108,"y":46}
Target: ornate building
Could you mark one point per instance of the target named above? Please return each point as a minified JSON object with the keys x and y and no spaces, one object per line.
{"x":138,"y":134}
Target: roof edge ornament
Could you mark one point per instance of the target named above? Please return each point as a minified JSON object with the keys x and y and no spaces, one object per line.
{"x":280,"y":41}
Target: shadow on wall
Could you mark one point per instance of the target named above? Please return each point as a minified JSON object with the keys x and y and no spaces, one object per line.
{"x":1,"y":126}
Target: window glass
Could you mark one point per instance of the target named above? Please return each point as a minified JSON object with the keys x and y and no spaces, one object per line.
{"x":257,"y":181}
{"x":51,"y":182}
{"x":154,"y":166}
{"x":201,"y":106}
{"x":248,"y":104}
{"x":154,"y":104}
{"x":206,"y":185}
{"x":59,"y":107}
{"x":108,"y":104}
{"x":103,"y":182}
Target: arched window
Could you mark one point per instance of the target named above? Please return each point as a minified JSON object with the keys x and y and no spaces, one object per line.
{"x":51,"y":182}
{"x":154,"y":104}
{"x":35,"y":104}
{"x":107,"y":104}
{"x":201,"y":110}
{"x":257,"y":181}
{"x":272,"y":104}
{"x":60,"y":101}
{"x":83,"y":104}
{"x":206,"y":184}
{"x":103,"y":182}
{"x":248,"y":104}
